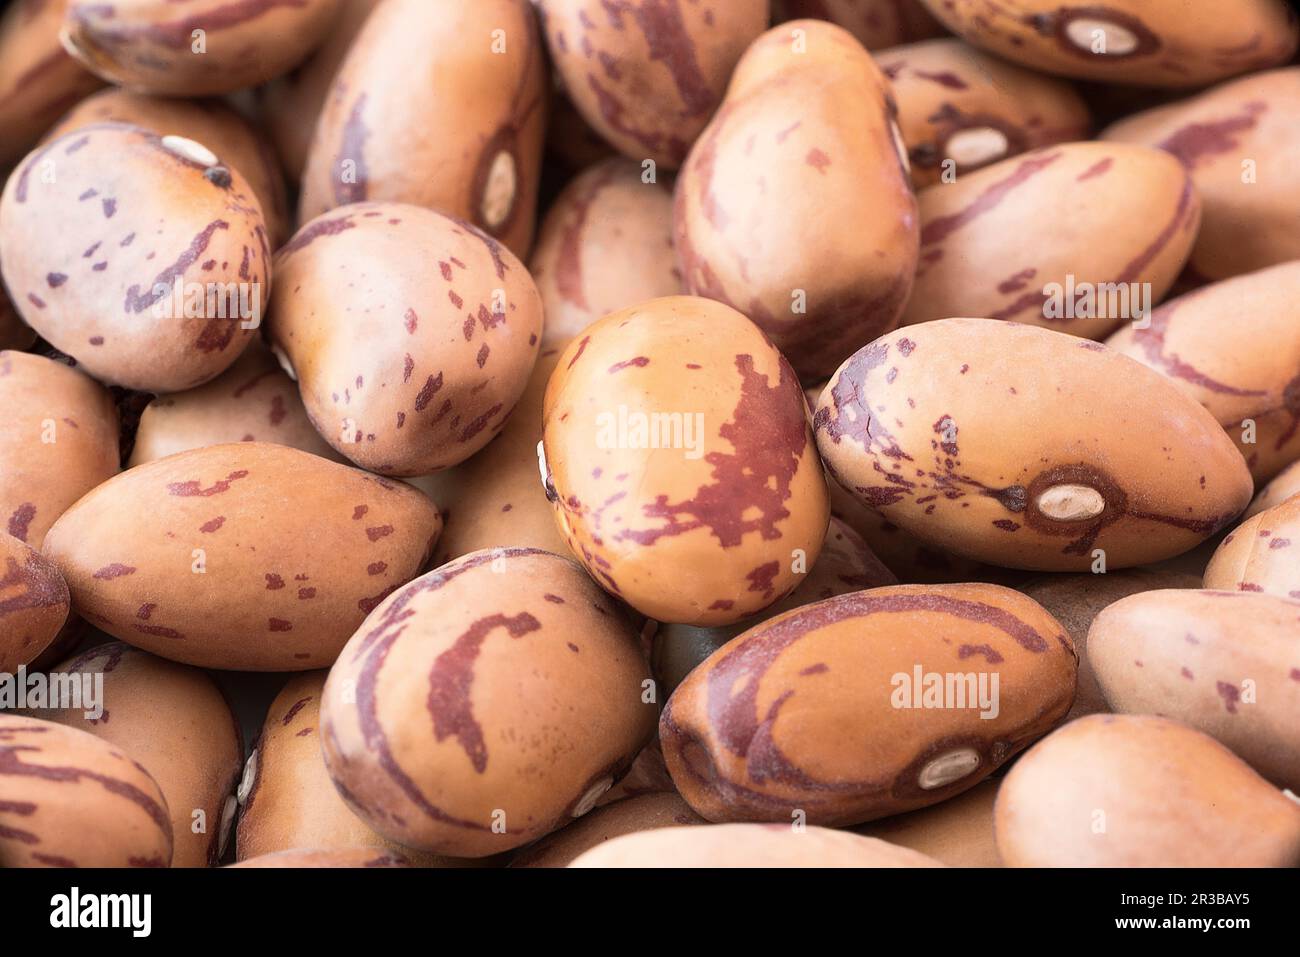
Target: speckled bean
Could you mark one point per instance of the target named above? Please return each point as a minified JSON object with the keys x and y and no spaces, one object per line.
{"x":34,"y":603}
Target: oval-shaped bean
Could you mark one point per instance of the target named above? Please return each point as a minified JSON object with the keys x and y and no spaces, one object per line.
{"x":469,"y":717}
{"x":632,"y":815}
{"x":68,"y":799}
{"x":439,"y":103}
{"x":992,"y":243}
{"x":251,"y":556}
{"x":876,"y":24}
{"x":287,"y":799}
{"x":175,"y":721}
{"x":1261,"y":554}
{"x":680,"y":463}
{"x":1028,"y":448}
{"x":34,"y":604}
{"x":1249,"y":380}
{"x":1076,"y":600}
{"x":646,"y":75}
{"x":749,"y":845}
{"x":845,"y":565}
{"x":957,"y":832}
{"x":867,"y":704}
{"x":1223,"y":663}
{"x":38,"y":80}
{"x":807,"y":127}
{"x":1141,"y":791}
{"x":495,"y":499}
{"x":195,"y":48}
{"x":411,"y":334}
{"x":142,"y":257}
{"x":1236,"y":141}
{"x":209,"y":122}
{"x":252,"y":401}
{"x":58,"y":440}
{"x":299,"y":857}
{"x":960,"y":109}
{"x":1162,"y":43}
{"x":290,"y":105}
{"x":1285,"y":486}
{"x":605,"y":244}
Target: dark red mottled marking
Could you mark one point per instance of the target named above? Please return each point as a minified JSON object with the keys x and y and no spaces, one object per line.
{"x":115,"y":570}
{"x":137,"y":302}
{"x":1098,"y":168}
{"x":20,"y":520}
{"x":940,"y":229}
{"x":640,"y":362}
{"x":1197,"y":141}
{"x":213,"y":524}
{"x":411,"y":320}
{"x":274,"y":582}
{"x":294,"y":709}
{"x":991,"y":654}
{"x":818,"y":160}
{"x":318,"y":229}
{"x":1230,"y":694}
{"x":194,"y":488}
{"x":427,"y":392}
{"x":278,"y":624}
{"x":375,"y":533}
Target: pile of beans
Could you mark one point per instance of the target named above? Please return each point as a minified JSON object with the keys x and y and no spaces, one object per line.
{"x":610,"y":433}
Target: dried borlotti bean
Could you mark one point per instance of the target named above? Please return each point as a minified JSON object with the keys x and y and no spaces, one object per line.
{"x":141,"y":256}
{"x":1261,"y":554}
{"x":1028,"y":448}
{"x":486,"y":704}
{"x":411,"y":334}
{"x":795,"y":205}
{"x":992,"y":243}
{"x":286,"y":797}
{"x":1141,"y":791}
{"x":248,"y":556}
{"x":1238,"y":142}
{"x":1164,"y":43}
{"x":606,"y":244}
{"x":845,"y":564}
{"x":648,"y":75}
{"x":252,"y":401}
{"x":175,"y":721}
{"x":960,"y":109}
{"x":34,"y":603}
{"x":193,"y":48}
{"x":1225,"y":663}
{"x":678,"y":458}
{"x":867,"y":704}
{"x":58,"y":440}
{"x":68,"y":799}
{"x":749,"y":845}
{"x":440,"y":103}
{"x":1234,"y":346}
{"x":38,"y":80}
{"x":209,"y":122}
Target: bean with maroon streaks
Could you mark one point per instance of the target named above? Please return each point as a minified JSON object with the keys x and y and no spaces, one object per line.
{"x":34,"y":603}
{"x":68,"y":799}
{"x":440,"y":103}
{"x":195,"y":48}
{"x":677,"y":454}
{"x":845,"y":564}
{"x":1223,"y":663}
{"x":1141,"y":791}
{"x":830,"y":710}
{"x":972,"y":434}
{"x":963,"y":108}
{"x":287,"y":798}
{"x":606,"y":244}
{"x":993,"y":243}
{"x":249,"y":556}
{"x":209,"y":122}
{"x":252,"y":401}
{"x":441,"y":722}
{"x":141,"y":256}
{"x":749,"y":845}
{"x":647,"y":75}
{"x":1250,"y":379}
{"x":173,"y":720}
{"x":38,"y":80}
{"x":876,"y":24}
{"x":411,"y":334}
{"x":58,"y":440}
{"x":1261,"y":554}
{"x":1162,"y":43}
{"x":807,"y":127}
{"x":1238,"y":141}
